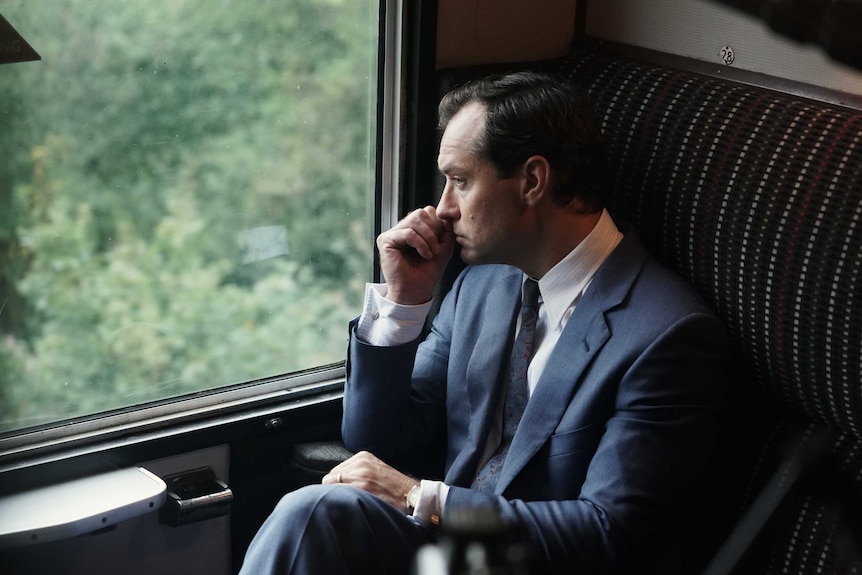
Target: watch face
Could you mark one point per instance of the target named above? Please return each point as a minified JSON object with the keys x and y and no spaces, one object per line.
{"x":413,"y":497}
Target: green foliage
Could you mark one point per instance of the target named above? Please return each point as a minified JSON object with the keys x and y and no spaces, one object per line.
{"x":149,"y":140}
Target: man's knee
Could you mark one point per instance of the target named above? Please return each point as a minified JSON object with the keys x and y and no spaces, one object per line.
{"x":334,"y":529}
{"x":320,"y":501}
{"x":334,"y":511}
{"x":348,"y":514}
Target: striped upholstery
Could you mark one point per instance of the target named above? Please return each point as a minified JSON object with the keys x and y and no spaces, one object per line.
{"x":756,"y":198}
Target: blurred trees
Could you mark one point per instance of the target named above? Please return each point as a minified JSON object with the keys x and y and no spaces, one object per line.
{"x":138,"y":155}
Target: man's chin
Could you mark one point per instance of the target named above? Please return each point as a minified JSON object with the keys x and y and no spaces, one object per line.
{"x":471,"y":258}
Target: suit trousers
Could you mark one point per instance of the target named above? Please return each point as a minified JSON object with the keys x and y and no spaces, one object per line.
{"x":332,"y":530}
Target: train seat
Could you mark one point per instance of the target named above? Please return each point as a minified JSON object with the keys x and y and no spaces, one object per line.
{"x":755,"y":196}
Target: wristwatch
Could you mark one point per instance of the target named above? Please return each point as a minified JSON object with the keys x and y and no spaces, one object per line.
{"x":411,"y":499}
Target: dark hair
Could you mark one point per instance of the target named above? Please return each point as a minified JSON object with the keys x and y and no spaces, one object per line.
{"x":531,"y":113}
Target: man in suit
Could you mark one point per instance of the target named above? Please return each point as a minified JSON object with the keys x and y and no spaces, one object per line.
{"x":583,"y":417}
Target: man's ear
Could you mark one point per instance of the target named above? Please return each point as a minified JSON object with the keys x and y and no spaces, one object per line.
{"x":537,"y":180}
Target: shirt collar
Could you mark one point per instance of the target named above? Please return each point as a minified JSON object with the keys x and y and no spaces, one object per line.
{"x":564,"y":284}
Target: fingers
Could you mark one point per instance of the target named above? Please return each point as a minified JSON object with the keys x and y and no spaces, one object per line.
{"x":367,"y":472}
{"x":350,"y":470}
{"x":413,"y":256}
{"x":422,"y":230}
{"x":333,"y":477}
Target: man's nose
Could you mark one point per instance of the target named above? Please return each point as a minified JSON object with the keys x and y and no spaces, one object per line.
{"x":447,"y":208}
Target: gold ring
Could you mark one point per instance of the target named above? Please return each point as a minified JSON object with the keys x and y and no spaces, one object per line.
{"x":338,"y":478}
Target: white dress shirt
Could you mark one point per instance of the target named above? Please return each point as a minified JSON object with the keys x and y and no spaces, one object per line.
{"x":384,"y":323}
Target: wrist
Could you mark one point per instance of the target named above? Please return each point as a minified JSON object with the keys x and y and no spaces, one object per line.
{"x":408,"y":298}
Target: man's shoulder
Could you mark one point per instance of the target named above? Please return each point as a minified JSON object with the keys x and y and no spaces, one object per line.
{"x":644,"y":278}
{"x":665,"y":288}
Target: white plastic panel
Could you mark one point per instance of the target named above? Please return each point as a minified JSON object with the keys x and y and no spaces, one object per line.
{"x":77,"y":507}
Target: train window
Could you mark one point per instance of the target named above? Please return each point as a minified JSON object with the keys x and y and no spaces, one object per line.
{"x":187,"y":193}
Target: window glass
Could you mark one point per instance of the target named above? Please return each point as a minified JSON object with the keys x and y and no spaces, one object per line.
{"x":186,"y":192}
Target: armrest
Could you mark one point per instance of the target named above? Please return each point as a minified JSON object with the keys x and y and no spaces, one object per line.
{"x":317,"y":458}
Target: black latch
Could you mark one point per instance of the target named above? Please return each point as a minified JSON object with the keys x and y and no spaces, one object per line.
{"x":193,"y":496}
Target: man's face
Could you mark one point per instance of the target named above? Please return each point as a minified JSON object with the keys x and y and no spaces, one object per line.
{"x":483,"y":209}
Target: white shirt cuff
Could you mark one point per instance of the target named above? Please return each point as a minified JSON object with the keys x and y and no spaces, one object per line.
{"x":386,"y":323}
{"x":432,"y":498}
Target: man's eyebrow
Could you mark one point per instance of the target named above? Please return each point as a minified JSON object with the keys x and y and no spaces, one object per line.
{"x":450,"y":167}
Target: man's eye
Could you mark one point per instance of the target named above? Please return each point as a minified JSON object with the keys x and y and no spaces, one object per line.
{"x":459,"y":181}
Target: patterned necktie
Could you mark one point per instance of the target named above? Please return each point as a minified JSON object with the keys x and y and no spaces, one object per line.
{"x":516,"y":390}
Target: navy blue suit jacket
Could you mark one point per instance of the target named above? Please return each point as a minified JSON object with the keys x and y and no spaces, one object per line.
{"x":618,"y":427}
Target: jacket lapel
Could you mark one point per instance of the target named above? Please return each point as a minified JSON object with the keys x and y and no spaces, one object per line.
{"x":484,"y":371}
{"x":584,"y":335}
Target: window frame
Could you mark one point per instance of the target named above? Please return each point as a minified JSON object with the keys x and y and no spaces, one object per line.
{"x":70,"y":449}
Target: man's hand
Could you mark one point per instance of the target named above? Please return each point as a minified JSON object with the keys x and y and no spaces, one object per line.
{"x":413,"y":255}
{"x":370,"y":474}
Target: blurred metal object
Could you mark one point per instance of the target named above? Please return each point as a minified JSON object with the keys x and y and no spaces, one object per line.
{"x":474,"y":541}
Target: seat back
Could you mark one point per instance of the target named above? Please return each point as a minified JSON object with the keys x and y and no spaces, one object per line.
{"x":756,"y":198}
